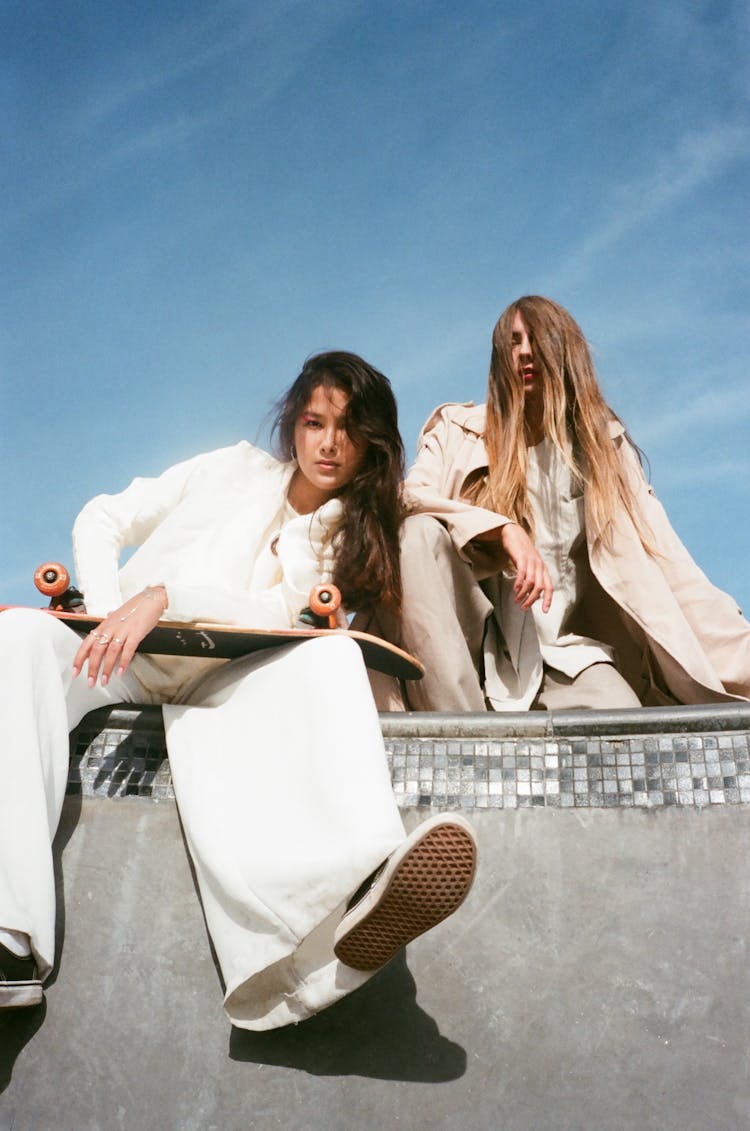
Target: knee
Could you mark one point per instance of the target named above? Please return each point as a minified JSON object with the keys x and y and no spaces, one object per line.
{"x":27,"y":635}
{"x":421,"y":533}
{"x":332,"y":664}
{"x":429,"y":560}
{"x":22,"y":626}
{"x":337,"y":651}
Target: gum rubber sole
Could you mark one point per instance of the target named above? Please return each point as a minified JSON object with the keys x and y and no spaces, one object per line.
{"x":423,"y":882}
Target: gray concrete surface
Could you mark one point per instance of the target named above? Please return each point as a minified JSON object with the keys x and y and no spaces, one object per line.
{"x":597,"y":977}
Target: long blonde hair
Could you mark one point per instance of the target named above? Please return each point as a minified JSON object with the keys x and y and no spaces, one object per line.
{"x":575,"y":417}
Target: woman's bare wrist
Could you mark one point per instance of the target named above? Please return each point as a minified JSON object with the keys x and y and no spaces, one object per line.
{"x":157,"y":593}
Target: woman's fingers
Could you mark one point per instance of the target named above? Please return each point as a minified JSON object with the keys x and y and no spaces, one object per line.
{"x":89,"y":654}
{"x":129,"y":649}
{"x":114,"y":657}
{"x":529,"y":586}
{"x":83,"y":653}
{"x":99,"y":652}
{"x":532,"y":576}
{"x":111,"y":646}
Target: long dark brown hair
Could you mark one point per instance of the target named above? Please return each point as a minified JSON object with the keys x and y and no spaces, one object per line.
{"x":576,"y":419}
{"x":367,"y":569}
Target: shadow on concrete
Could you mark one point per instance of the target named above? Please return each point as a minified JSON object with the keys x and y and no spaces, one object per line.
{"x":379,"y":1031}
{"x":18,"y":1026}
{"x":68,"y":821}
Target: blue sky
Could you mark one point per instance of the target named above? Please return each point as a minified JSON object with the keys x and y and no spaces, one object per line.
{"x":196,"y":196}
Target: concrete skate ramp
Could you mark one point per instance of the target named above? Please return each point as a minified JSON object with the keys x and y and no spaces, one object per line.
{"x":597,"y":977}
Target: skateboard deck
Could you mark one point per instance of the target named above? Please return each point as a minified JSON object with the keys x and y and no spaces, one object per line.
{"x":227,"y":642}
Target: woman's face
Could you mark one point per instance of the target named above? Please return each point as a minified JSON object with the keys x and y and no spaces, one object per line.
{"x":327,"y":456}
{"x":522,"y":356}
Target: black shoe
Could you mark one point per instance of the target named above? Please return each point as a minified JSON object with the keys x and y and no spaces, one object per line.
{"x":19,"y":983}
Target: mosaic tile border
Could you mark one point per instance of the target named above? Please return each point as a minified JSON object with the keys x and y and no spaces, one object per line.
{"x":121,"y":753}
{"x":580,"y":773}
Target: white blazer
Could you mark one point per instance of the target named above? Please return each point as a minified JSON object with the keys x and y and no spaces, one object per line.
{"x":201,"y":528}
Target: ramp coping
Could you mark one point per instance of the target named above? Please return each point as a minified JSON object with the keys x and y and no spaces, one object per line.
{"x":652,"y":757}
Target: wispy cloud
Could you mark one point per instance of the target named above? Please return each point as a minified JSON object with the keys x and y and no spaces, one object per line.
{"x":697,"y":158}
{"x":703,"y":471}
{"x":208,"y":40}
{"x":249,"y":56}
{"x":424,"y":361}
{"x":696,"y":415}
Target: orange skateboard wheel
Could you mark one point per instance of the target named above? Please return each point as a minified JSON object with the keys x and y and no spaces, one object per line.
{"x":324,"y":601}
{"x":52,"y":579}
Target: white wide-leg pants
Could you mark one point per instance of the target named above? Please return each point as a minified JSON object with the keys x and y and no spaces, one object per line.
{"x":40,"y":703}
{"x":282,"y":786}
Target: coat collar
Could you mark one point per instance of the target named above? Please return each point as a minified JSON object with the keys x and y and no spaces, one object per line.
{"x":472,"y":419}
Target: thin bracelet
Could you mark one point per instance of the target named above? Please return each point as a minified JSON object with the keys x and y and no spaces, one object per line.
{"x":149,"y":594}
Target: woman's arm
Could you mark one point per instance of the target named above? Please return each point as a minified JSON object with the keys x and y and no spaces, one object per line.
{"x":433,"y":487}
{"x":306,"y":555}
{"x":532,"y":580}
{"x":108,"y":523}
{"x":490,"y":542}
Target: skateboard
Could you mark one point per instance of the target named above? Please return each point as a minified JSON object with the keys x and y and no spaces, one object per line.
{"x":227,"y":642}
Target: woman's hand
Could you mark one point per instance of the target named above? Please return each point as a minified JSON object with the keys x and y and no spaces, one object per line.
{"x":113,"y":643}
{"x":532,"y":577}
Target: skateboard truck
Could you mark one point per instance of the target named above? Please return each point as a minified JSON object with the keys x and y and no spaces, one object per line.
{"x":321,"y":612}
{"x":53,"y":580}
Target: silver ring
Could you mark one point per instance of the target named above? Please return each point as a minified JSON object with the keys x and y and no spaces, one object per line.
{"x":102,"y":637}
{"x":116,"y":640}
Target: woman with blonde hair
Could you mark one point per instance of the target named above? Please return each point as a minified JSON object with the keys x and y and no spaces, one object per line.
{"x":552,"y":577}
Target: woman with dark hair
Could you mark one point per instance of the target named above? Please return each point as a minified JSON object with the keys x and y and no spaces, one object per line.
{"x":277,"y":759}
{"x":553,"y":578}
{"x":367,"y":563}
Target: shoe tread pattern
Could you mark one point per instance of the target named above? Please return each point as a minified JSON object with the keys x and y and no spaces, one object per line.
{"x":427,"y":886}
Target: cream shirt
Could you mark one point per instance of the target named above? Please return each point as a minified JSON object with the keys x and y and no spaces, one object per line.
{"x":560,"y":537}
{"x":516,"y":653}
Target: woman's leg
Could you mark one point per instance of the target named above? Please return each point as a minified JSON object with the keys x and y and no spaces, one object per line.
{"x":598,"y":687}
{"x":442,"y":621}
{"x":39,"y":704}
{"x":283,"y":788}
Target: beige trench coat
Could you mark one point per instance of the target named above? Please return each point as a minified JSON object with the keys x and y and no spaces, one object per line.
{"x":677,"y":637}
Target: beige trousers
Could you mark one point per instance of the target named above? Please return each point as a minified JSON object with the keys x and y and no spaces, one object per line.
{"x":443,"y":623}
{"x":599,"y":686}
